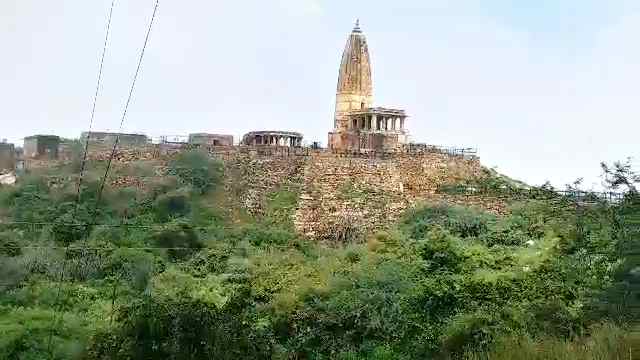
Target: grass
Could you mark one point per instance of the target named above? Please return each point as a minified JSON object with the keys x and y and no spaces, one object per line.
{"x":605,"y":342}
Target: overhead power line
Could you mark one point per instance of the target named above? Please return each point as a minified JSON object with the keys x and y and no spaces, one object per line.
{"x":103,"y":248}
{"x":84,"y":160}
{"x":126,"y":106}
{"x":79,"y":189}
{"x":93,"y":107}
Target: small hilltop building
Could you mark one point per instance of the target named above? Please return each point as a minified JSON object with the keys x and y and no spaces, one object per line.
{"x":358,"y":124}
{"x":41,"y":147}
{"x":109,"y":138}
{"x":211,"y":139}
{"x":7,"y":157}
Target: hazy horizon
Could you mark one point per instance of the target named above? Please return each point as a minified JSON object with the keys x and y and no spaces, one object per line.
{"x":544,"y":91}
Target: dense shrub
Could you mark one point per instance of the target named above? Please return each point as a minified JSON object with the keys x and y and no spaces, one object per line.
{"x":25,"y":332}
{"x":264,"y":235}
{"x":134,"y":266}
{"x":9,"y":245}
{"x":182,"y":327}
{"x":171,"y":205}
{"x":460,"y":221}
{"x":197,"y":170}
{"x":604,"y":341}
{"x":173,"y":273}
{"x":11,"y":273}
{"x":178,"y":239}
{"x":357,"y":313}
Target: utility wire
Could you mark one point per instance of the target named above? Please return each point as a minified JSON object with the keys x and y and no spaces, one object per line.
{"x":79,"y":191}
{"x":115,"y":143}
{"x":82,"y":169}
{"x":126,"y":107}
{"x":102,"y":248}
{"x":89,"y":224}
{"x":124,"y":225}
{"x":272,"y":246}
{"x":93,"y":107}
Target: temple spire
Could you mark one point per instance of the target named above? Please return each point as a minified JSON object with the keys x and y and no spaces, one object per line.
{"x":356,"y":28}
{"x":355,"y":88}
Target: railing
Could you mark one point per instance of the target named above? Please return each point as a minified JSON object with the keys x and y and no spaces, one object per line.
{"x":592,"y":196}
{"x":578,"y":196}
{"x":170,"y":139}
{"x":449,"y":150}
{"x":409,"y":149}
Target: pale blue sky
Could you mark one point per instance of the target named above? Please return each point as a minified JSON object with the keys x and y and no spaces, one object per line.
{"x":544,"y":89}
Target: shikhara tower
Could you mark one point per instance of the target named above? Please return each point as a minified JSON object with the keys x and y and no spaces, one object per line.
{"x":357,"y":124}
{"x":355,"y":88}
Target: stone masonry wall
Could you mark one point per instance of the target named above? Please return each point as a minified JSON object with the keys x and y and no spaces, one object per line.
{"x":341,"y":197}
{"x":250,"y":178}
{"x":352,"y":196}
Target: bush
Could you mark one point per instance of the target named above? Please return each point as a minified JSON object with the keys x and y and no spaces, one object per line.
{"x":441,"y":251}
{"x":178,"y":239}
{"x":468,"y":331}
{"x":265,"y":235}
{"x":280,"y":207}
{"x":9,"y":246}
{"x":12,"y":273}
{"x":359,"y":311}
{"x":606,"y":341}
{"x":25,"y":334}
{"x":172,"y":205}
{"x":446,"y":280}
{"x":197,"y":170}
{"x":182,"y":327}
{"x":65,"y":231}
{"x":212,"y":260}
{"x":134,"y":266}
{"x":31,"y":201}
{"x":460,"y":221}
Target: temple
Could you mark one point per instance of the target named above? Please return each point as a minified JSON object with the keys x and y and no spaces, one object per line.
{"x":272,"y":138}
{"x":358,"y":125}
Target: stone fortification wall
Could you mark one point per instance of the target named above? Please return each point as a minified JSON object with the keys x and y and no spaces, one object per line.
{"x":347,"y":197}
{"x":250,"y":178}
{"x":341,"y":197}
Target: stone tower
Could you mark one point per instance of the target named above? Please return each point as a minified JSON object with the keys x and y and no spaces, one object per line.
{"x":358,"y":126}
{"x":355,"y":88}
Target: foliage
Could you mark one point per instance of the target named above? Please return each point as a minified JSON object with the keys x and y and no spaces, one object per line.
{"x":605,"y":341}
{"x":463,"y":222}
{"x":179,"y":240}
{"x":195,"y":322}
{"x":25,"y":333}
{"x":171,"y":205}
{"x":168,"y":274}
{"x":621,"y":174}
{"x":280,"y":207}
{"x":197,"y":170}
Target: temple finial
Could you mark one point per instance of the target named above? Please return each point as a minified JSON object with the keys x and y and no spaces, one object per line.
{"x":356,"y":28}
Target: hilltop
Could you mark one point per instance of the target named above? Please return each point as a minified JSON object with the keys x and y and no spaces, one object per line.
{"x":249,"y":254}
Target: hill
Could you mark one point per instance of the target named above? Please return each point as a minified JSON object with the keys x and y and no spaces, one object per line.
{"x":191,"y":255}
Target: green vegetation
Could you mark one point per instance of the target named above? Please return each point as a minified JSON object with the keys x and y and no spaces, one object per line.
{"x":165,"y":272}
